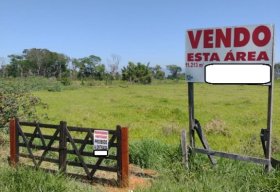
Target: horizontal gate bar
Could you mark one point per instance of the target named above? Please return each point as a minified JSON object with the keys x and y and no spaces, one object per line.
{"x":41,"y":125}
{"x":70,"y":128}
{"x":97,"y":167}
{"x":57,"y":138}
{"x":47,"y":159}
{"x":84,"y":129}
{"x":39,"y":147}
{"x":232,"y":156}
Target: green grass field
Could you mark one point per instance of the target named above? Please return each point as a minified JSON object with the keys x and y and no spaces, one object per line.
{"x":231,"y":117}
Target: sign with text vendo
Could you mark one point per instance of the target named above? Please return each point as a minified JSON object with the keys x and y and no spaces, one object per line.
{"x":234,"y":55}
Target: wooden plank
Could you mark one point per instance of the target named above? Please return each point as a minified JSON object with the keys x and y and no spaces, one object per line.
{"x":203,"y":140}
{"x":87,"y":154}
{"x":17,"y":139}
{"x":81,"y":141}
{"x":90,"y":154}
{"x":270,"y":112}
{"x":99,"y":161}
{"x":83,"y":129}
{"x":119,"y":153}
{"x":124,"y":177}
{"x":41,"y":136}
{"x":62,"y":147}
{"x":27,"y":146}
{"x":269,"y":125}
{"x":13,"y":142}
{"x":48,"y":147}
{"x":86,"y":139}
{"x":263,"y":137}
{"x":38,"y":136}
{"x":33,"y":136}
{"x":184,"y":148}
{"x":51,"y":160}
{"x":97,"y":167}
{"x":191,"y":114}
{"x":42,"y":125}
{"x":70,"y":128}
{"x":232,"y":156}
{"x":40,"y":147}
{"x":78,"y":154}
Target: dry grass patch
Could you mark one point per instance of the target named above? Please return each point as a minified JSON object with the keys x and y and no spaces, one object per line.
{"x":217,"y":127}
{"x":170,"y":129}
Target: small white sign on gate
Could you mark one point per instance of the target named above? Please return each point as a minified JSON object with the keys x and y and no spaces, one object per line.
{"x":100,"y":142}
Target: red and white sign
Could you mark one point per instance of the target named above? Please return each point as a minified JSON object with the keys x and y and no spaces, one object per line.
{"x":100,"y":142}
{"x":228,"y":45}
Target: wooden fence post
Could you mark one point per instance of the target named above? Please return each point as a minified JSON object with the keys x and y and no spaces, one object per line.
{"x":14,"y":148}
{"x":123,"y":156}
{"x":62,"y":146}
{"x":184,"y":148}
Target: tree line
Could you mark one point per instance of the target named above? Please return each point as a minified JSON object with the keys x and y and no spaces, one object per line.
{"x":46,"y":63}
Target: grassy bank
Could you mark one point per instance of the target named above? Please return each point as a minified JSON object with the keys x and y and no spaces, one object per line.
{"x":231,"y":117}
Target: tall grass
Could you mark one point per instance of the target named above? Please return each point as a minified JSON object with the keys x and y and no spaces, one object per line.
{"x":25,"y":179}
{"x":227,"y":175}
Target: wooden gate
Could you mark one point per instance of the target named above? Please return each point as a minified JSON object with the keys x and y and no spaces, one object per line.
{"x":69,"y":148}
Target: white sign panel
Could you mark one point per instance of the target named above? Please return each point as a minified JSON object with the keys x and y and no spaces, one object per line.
{"x":100,"y":142}
{"x":227,"y":46}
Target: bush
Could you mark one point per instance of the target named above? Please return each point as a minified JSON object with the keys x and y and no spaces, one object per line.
{"x":65,"y":81}
{"x":54,"y":88}
{"x":137,"y":73}
{"x":153,"y":154}
{"x":17,"y":101}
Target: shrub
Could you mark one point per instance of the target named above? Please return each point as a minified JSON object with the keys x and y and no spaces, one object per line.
{"x":66,"y":81}
{"x":153,"y":154}
{"x":54,"y":88}
{"x":137,"y":73}
{"x":17,"y":101}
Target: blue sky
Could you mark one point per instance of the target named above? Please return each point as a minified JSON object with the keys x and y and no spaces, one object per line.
{"x":136,"y":30}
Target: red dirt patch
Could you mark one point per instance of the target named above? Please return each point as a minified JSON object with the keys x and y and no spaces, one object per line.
{"x":138,"y":178}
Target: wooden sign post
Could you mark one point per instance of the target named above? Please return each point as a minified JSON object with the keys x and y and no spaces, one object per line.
{"x":230,"y":46}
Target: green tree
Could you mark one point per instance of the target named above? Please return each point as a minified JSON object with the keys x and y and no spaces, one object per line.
{"x":13,"y":69}
{"x":89,"y":67}
{"x":174,"y":71}
{"x":137,"y":73}
{"x":99,"y":72}
{"x":158,"y":73}
{"x":46,"y":63}
{"x":40,"y":62}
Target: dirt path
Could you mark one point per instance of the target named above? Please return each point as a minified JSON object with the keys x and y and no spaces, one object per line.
{"x":138,"y":178}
